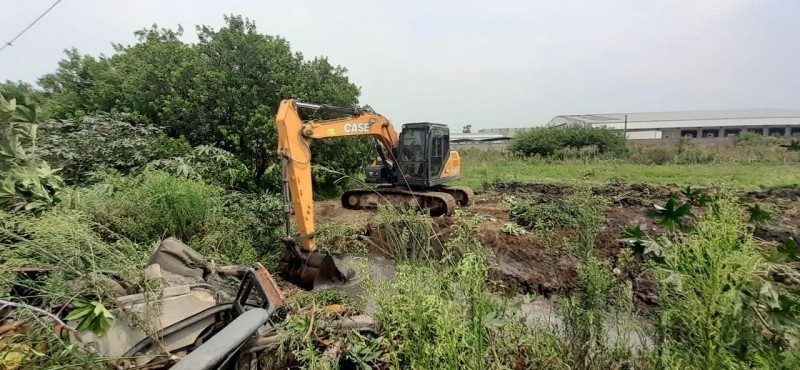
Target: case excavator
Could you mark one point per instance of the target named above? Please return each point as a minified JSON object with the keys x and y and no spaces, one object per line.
{"x":411,"y":170}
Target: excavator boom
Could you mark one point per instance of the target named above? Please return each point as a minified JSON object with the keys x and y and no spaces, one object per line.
{"x":428,"y":165}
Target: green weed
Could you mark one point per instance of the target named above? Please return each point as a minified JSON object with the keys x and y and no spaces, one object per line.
{"x":703,"y":278}
{"x":403,"y":235}
{"x":234,"y":228}
{"x":588,"y":312}
{"x":580,"y":214}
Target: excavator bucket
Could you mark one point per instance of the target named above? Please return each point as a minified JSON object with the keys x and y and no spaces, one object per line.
{"x":308,"y":270}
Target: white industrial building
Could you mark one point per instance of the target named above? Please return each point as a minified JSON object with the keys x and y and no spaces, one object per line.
{"x":693,"y":124}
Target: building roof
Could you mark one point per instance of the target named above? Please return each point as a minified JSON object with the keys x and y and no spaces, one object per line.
{"x":707,"y":118}
{"x":458,"y":137}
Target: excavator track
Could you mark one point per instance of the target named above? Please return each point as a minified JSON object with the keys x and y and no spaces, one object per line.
{"x":438,"y":203}
{"x":462,"y":194}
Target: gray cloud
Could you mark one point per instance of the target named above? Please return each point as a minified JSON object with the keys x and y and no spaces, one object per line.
{"x":491,"y":64}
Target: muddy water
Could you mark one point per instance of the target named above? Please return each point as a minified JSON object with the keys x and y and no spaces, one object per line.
{"x":624,"y":328}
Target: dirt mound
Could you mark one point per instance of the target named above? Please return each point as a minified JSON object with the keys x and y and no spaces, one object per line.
{"x":523,"y":263}
{"x":331,"y":211}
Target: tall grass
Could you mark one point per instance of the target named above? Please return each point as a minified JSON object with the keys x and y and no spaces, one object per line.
{"x":444,"y":315}
{"x":78,"y":254}
{"x":153,"y":206}
{"x":577,"y":216}
{"x":232,"y":228}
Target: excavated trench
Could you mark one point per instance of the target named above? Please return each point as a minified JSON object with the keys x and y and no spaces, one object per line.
{"x":528,"y":264}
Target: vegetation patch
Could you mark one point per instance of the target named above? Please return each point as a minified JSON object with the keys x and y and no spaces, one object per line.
{"x":709,"y":295}
{"x":549,"y":141}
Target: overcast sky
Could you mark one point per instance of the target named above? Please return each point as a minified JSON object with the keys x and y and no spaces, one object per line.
{"x":491,"y":64}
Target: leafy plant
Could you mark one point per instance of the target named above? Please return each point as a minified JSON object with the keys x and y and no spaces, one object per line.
{"x":758,"y":214}
{"x":105,"y":141}
{"x":642,"y":245}
{"x":93,"y":316}
{"x":513,"y":229}
{"x":786,"y":252}
{"x":697,"y":196}
{"x":673,"y":216}
{"x":790,"y":249}
{"x":364,"y":352}
{"x":209,"y":164}
{"x":27,"y":181}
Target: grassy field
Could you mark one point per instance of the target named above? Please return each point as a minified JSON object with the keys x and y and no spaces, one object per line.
{"x":480,"y":169}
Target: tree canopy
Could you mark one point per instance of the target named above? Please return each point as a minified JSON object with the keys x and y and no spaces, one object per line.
{"x":223,"y":91}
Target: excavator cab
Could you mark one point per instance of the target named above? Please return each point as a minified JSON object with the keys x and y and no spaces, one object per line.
{"x":422,"y":153}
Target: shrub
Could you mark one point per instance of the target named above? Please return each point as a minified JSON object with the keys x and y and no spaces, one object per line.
{"x":210,"y":164}
{"x":703,"y":283}
{"x":28,"y":182}
{"x":547,"y":141}
{"x":105,"y":142}
{"x":146,"y":208}
{"x":580,"y":214}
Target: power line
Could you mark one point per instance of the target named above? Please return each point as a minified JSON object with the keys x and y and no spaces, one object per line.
{"x":10,"y":42}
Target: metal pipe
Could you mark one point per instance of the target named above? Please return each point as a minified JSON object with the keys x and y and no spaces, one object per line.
{"x":218,"y":347}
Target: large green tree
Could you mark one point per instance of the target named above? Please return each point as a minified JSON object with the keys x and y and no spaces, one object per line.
{"x":223,"y":90}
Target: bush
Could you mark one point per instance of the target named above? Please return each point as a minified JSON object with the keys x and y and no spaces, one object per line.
{"x":236,"y":228}
{"x":547,"y":141}
{"x":704,"y":283}
{"x":26,"y":181}
{"x":210,"y":164}
{"x":580,"y":215}
{"x":104,"y":142}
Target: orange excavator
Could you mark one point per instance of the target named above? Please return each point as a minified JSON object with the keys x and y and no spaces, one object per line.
{"x":411,"y":171}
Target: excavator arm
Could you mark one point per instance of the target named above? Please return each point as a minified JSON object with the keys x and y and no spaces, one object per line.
{"x":294,"y":135}
{"x":302,"y":265}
